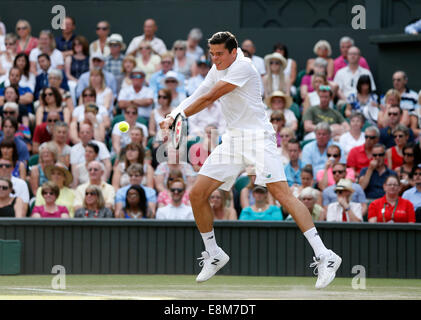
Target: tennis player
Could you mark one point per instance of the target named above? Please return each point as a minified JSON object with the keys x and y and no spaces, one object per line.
{"x":235,"y":82}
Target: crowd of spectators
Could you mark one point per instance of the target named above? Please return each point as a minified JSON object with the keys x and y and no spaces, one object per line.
{"x":350,"y":152}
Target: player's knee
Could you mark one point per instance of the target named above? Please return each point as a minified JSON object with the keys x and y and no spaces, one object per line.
{"x":197,"y":195}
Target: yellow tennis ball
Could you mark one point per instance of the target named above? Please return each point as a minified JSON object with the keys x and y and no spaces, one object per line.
{"x":123,"y":126}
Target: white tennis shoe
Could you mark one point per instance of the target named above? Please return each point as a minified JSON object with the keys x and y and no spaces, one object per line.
{"x":325,"y":267}
{"x":211,"y":265}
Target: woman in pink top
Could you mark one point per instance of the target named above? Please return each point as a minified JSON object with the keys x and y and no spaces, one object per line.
{"x":26,"y":42}
{"x":50,"y":192}
{"x":325,"y":177}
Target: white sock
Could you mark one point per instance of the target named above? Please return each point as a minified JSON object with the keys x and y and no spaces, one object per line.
{"x":315,"y":242}
{"x":210,"y":242}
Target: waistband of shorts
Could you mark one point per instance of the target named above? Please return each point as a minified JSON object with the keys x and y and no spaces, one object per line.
{"x":236,"y":132}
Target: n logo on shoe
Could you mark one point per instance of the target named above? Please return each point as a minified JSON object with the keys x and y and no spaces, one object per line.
{"x":210,"y":238}
{"x":330,"y":264}
{"x":215,"y":261}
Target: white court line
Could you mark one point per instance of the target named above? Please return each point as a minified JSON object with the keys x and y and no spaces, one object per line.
{"x":90,"y":294}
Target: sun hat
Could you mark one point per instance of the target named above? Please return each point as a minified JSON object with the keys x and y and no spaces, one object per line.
{"x":116,"y":38}
{"x":61,"y":167}
{"x":261,"y":189}
{"x":275,"y":56}
{"x":277,"y":93}
{"x":344,"y":184}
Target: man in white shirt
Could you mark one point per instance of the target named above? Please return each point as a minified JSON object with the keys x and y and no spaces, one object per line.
{"x":347,"y":78}
{"x":149,"y":30}
{"x":137,"y":94}
{"x":77,"y":154}
{"x":20,"y":187}
{"x":177,"y":210}
{"x":235,"y":82}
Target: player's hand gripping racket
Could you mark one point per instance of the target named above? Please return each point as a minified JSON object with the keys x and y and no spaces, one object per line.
{"x":179,"y":130}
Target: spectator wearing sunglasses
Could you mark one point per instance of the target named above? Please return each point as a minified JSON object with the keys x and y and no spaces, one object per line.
{"x":100,"y":46}
{"x":274,"y":80}
{"x":114,"y":61}
{"x":172,"y":83}
{"x":176,"y":209}
{"x":160,"y":112}
{"x":88,"y":109}
{"x":20,"y":187}
{"x":157,"y":82}
{"x":360,"y":156}
{"x":414,"y":194}
{"x":8,"y":150}
{"x":93,"y":205}
{"x":10,"y":207}
{"x":394,"y":155}
{"x":96,"y":170}
{"x":404,"y":171}
{"x":51,"y":100}
{"x":394,"y":116}
{"x":137,"y":95}
{"x":374,"y":176}
{"x":61,"y":176}
{"x":322,"y":113}
{"x":183,"y":63}
{"x":25,"y":41}
{"x":344,"y":209}
{"x":50,"y":192}
{"x":325,"y":177}
{"x":146,"y":59}
{"x":339,"y":171}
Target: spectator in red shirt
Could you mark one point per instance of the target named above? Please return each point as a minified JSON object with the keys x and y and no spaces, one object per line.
{"x":359,"y":157}
{"x":44,"y":131}
{"x":391,"y":208}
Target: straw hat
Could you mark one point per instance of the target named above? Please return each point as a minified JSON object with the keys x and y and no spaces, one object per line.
{"x":68,"y":178}
{"x":275,"y":56}
{"x":344,"y":184}
{"x":287,"y":98}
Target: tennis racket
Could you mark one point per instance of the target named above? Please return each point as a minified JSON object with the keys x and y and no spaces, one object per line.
{"x":179,"y":130}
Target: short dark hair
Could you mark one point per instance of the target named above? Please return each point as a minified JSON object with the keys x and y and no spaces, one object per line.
{"x":308,"y":168}
{"x":94,"y":146}
{"x":46,"y":56}
{"x":380,"y":145}
{"x":225,"y":37}
{"x":294,"y":141}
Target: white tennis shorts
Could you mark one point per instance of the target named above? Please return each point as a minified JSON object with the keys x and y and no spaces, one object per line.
{"x":242,"y":148}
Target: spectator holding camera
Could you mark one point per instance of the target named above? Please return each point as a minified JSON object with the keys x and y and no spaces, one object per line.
{"x":344,"y":209}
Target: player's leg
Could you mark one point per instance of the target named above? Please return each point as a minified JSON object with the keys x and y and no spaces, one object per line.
{"x":199,"y":199}
{"x":213,"y":258}
{"x":326,"y":260}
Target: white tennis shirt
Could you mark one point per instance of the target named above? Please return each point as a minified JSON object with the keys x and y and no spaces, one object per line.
{"x":243,"y":107}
